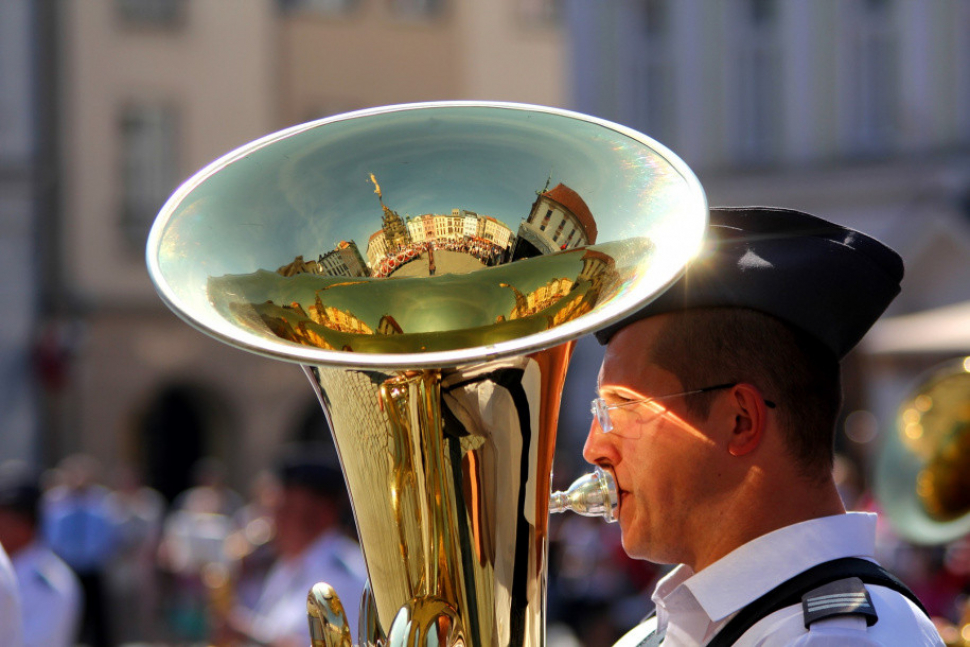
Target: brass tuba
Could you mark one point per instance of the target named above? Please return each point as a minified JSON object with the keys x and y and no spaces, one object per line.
{"x":922,"y":475}
{"x":430,"y":266}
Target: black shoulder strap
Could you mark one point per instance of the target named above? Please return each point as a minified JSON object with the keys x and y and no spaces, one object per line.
{"x":790,"y":593}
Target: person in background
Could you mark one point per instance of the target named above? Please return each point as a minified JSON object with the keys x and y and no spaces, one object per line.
{"x":80,"y":527}
{"x":311,"y":546}
{"x":209,"y":484}
{"x":132,"y":575}
{"x":50,"y":594}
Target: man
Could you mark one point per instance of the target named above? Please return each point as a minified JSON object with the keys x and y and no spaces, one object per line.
{"x":716,"y":415}
{"x":311,"y":548}
{"x":81,"y":528}
{"x":50,"y":594}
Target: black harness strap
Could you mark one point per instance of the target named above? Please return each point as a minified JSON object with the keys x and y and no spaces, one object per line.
{"x":790,"y":593}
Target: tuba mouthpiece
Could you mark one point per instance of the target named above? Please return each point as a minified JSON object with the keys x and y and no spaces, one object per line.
{"x":591,"y":495}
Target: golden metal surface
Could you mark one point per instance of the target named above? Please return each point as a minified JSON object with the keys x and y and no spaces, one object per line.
{"x":327,"y":618}
{"x":449,"y":471}
{"x":923,"y":472}
{"x":591,"y":495}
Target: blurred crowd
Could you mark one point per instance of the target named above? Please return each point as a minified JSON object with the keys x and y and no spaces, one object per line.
{"x":105,"y":560}
{"x":108,"y":561}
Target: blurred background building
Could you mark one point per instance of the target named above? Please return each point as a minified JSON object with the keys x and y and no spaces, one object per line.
{"x":856,"y":110}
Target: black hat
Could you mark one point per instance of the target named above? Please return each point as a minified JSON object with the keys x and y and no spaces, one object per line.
{"x":311,"y":467}
{"x":19,"y":489}
{"x":827,"y":280}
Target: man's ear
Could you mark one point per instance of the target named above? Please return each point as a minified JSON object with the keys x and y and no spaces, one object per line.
{"x":750,"y":418}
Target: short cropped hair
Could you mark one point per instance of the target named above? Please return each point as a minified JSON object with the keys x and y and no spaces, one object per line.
{"x":709,"y":346}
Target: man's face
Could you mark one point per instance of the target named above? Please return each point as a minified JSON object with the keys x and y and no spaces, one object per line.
{"x":666,"y":469}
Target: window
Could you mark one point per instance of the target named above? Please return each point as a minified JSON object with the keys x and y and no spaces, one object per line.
{"x":873,"y":69}
{"x":416,"y":9}
{"x":149,"y":167}
{"x":539,"y":12}
{"x":962,"y":68}
{"x":559,"y":229}
{"x":651,"y":77}
{"x":326,"y":7}
{"x":545,"y":220}
{"x":758,"y":91}
{"x":159,"y":13}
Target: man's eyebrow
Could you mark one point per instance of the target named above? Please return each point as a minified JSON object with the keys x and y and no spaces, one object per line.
{"x":615,"y":391}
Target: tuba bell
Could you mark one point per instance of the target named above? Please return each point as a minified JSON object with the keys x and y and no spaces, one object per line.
{"x":922,"y":476}
{"x":430,"y":267}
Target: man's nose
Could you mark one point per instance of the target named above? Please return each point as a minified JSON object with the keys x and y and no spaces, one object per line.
{"x":598,"y":446}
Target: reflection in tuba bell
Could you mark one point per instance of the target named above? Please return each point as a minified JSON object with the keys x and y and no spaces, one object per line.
{"x":922,"y":474}
{"x":430,"y":267}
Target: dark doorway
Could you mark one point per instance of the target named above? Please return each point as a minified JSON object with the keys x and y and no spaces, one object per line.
{"x":174,"y":438}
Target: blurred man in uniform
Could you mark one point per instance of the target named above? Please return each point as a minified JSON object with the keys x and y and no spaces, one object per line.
{"x":716,"y":414}
{"x":50,"y":594}
{"x":80,"y":526}
{"x":312,"y":547}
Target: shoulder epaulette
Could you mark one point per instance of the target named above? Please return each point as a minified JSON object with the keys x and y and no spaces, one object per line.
{"x":840,"y":598}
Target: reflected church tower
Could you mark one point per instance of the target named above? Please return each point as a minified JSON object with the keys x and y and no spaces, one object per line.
{"x":396,"y":232}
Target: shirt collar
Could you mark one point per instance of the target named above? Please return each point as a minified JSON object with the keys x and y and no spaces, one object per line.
{"x":758,"y":566}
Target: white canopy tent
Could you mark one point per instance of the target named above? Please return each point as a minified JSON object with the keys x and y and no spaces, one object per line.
{"x":944,"y":330}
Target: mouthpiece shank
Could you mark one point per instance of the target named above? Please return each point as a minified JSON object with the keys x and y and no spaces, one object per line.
{"x":591,"y":495}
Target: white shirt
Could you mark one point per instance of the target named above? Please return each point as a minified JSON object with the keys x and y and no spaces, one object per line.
{"x":10,"y":623}
{"x":50,"y":596}
{"x":692,"y":607}
{"x":281,"y":608}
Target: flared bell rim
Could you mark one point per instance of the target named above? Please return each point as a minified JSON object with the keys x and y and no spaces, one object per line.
{"x":897,"y":470}
{"x":280,"y":349}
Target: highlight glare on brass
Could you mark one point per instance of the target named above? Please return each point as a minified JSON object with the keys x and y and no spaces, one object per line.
{"x":431,"y":266}
{"x":923,"y":471}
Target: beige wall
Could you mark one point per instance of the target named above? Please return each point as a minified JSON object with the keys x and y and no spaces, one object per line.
{"x":473,"y":50}
{"x":216,"y":69}
{"x":128,"y":357}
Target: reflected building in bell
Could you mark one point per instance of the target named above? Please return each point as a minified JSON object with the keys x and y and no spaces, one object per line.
{"x":449,"y":226}
{"x":344,"y":260}
{"x":496,"y":232}
{"x":376,"y":248}
{"x":559,"y":220}
{"x":421,"y":228}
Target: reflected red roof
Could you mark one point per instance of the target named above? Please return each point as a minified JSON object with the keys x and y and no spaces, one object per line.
{"x":571,"y":201}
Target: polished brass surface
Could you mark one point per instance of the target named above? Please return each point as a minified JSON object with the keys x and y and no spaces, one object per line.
{"x":450,"y":472}
{"x":327,"y":618}
{"x":369,"y":630}
{"x":922,"y":477}
{"x":591,"y":495}
{"x":431,"y":266}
